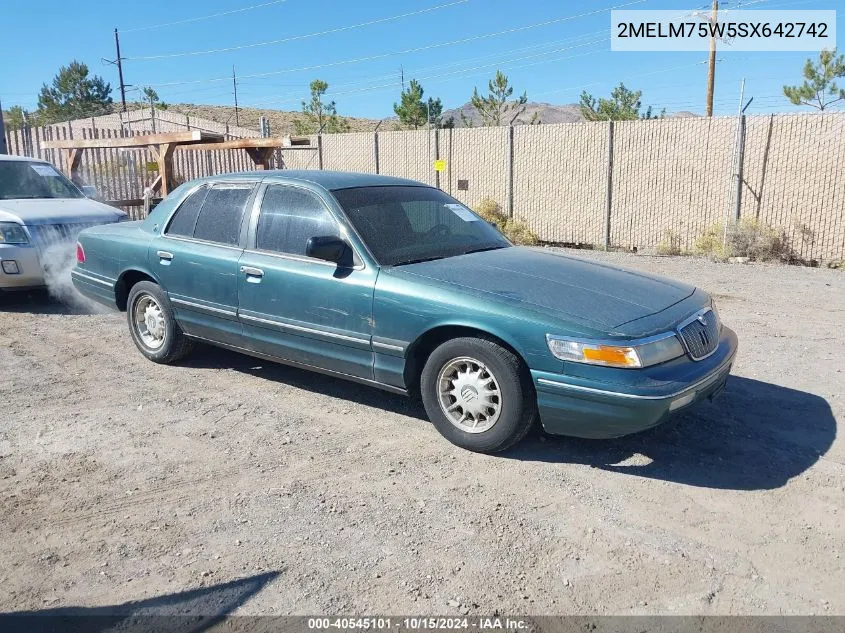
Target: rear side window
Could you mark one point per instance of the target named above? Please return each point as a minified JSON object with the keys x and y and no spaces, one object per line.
{"x":289,"y":217}
{"x":220,"y":218}
{"x":185,"y":219}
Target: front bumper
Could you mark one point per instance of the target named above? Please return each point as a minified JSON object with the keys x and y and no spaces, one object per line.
{"x":593,"y":409}
{"x":29,"y":275}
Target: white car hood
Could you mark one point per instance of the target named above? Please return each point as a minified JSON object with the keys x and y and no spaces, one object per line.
{"x":57,"y":211}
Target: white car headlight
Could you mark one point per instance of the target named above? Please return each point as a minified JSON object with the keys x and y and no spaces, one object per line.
{"x":12,"y":233}
{"x":642,"y":354}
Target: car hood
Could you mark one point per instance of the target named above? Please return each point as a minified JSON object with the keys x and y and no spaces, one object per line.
{"x":58,"y":211}
{"x":560,"y":285}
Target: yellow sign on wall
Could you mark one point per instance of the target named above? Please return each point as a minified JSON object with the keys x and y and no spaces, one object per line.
{"x":152,"y":165}
{"x":439,"y":165}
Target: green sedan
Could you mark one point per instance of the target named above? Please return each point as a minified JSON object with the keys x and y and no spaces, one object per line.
{"x":397,"y":285}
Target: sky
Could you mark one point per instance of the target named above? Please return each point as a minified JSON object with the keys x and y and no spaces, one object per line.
{"x":552,"y":50}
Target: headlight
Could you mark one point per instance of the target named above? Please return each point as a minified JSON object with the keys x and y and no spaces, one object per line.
{"x":644,"y":354}
{"x":12,"y":233}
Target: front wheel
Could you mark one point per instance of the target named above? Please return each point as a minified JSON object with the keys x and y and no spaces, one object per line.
{"x":153,"y":326}
{"x":477,"y":394}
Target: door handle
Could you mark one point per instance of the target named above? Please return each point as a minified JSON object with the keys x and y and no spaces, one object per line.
{"x":164,"y":255}
{"x":252,"y":272}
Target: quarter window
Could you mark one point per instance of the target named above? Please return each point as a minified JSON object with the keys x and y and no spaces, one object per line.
{"x":185,"y":219}
{"x":289,"y":217}
{"x":221,"y":215}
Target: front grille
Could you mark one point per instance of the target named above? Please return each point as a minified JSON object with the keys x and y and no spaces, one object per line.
{"x":701,"y":335}
{"x":46,"y":235}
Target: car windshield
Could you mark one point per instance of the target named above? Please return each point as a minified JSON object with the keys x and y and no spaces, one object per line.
{"x":406,"y":225}
{"x":28,"y":180}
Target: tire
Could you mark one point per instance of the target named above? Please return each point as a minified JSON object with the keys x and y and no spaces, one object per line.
{"x":495,"y":415}
{"x":161,"y":339}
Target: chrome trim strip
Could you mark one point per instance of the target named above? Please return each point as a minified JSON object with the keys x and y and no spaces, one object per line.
{"x":200,"y":306}
{"x":90,"y":278}
{"x":394,"y":348}
{"x":314,"y":368}
{"x":304,"y":259}
{"x":636,"y":342}
{"x":191,"y":240}
{"x":306,"y":330}
{"x":618,"y":394}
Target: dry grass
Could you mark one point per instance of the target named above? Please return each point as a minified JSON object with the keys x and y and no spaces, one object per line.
{"x":670,"y":244}
{"x":747,"y":238}
{"x":514,"y":229}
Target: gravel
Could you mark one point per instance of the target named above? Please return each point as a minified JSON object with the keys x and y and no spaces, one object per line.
{"x":273,"y":490}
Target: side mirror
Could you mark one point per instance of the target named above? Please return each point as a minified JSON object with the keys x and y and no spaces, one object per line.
{"x":329,"y":248}
{"x":89,"y":191}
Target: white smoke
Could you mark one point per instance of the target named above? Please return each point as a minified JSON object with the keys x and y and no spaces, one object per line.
{"x":57,"y":260}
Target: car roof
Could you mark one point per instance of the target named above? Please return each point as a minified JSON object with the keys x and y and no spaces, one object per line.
{"x":326,"y":179}
{"x":28,"y":159}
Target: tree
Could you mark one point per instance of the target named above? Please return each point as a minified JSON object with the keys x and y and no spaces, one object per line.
{"x":151,"y":98}
{"x":411,"y":110}
{"x":819,"y":89}
{"x":623,"y":105}
{"x":73,"y":95}
{"x":15,"y":117}
{"x":318,"y":116}
{"x":495,"y":109}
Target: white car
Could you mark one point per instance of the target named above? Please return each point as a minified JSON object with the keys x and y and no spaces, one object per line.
{"x":40,"y":209}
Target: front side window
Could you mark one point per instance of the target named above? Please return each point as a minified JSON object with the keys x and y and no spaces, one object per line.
{"x":406,"y":224}
{"x":289,"y":218}
{"x":27,"y":180}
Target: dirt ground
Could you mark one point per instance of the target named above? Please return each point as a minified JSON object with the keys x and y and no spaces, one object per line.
{"x":273,"y":490}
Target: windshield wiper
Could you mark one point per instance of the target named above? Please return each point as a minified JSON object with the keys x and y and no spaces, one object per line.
{"x":419,"y":260}
{"x":486,"y":248}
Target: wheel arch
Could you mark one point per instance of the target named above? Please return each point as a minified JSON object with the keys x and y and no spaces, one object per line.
{"x":125,"y":281}
{"x":421,"y":348}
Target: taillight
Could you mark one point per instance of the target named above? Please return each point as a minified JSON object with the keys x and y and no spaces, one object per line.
{"x":80,"y":254}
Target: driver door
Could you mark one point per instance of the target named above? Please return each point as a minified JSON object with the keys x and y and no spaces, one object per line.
{"x":294,"y":307}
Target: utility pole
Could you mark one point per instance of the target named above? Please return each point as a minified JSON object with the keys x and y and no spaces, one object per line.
{"x":2,"y":132}
{"x":119,"y":63}
{"x":711,"y":70}
{"x":152,"y":112}
{"x":402,"y":76}
{"x":235,"y":86}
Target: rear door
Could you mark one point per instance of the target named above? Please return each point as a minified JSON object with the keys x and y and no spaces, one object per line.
{"x":298,"y":308}
{"x":196,"y":260}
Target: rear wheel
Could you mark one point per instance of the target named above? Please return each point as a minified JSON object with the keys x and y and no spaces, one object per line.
{"x":477,"y":394}
{"x":153,"y":326}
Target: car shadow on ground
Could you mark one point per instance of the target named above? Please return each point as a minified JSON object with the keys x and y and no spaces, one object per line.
{"x":755,"y":436}
{"x":195,"y":610}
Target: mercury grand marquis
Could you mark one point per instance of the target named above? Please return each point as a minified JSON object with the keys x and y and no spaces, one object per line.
{"x":397,"y":285}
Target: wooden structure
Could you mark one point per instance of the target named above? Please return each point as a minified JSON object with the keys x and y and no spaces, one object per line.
{"x":163,"y":146}
{"x":260,"y":150}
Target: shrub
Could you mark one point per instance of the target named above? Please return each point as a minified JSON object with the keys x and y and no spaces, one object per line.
{"x":514,"y":229}
{"x":671,"y":243}
{"x":747,"y":238}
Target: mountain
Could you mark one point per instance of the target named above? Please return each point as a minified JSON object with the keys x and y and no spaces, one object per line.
{"x":281,"y":122}
{"x":547,"y":113}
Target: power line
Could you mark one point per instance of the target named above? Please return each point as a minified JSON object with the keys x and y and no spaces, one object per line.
{"x":408,"y":51}
{"x":293,"y":38}
{"x":419,"y":73}
{"x":203,"y":17}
